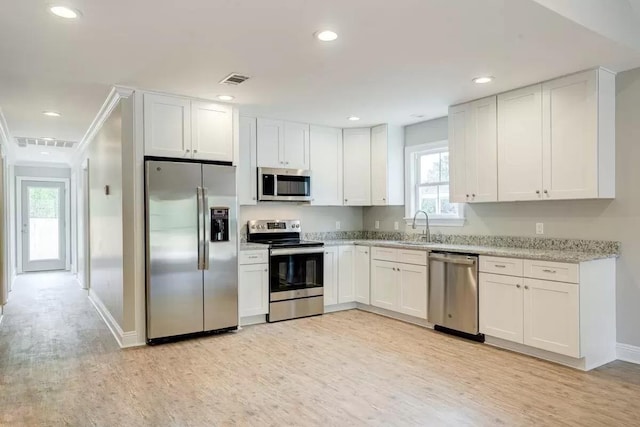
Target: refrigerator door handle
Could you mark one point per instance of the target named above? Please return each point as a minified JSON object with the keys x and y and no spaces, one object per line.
{"x":199,"y":222}
{"x":205,"y":226}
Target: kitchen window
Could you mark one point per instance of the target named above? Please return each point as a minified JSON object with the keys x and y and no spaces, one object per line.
{"x":427,"y":185}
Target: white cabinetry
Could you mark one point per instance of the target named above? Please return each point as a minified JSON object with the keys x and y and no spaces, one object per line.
{"x":473,"y":151}
{"x":326,"y":166}
{"x":330,"y":274}
{"x":556,"y":140}
{"x":357,"y":167}
{"x":501,"y":306}
{"x":346,"y":276}
{"x":283,"y":144}
{"x":387,"y":173}
{"x":247,"y":164}
{"x":178,"y":127}
{"x":362,"y":275}
{"x":399,"y":286}
{"x":253,"y":283}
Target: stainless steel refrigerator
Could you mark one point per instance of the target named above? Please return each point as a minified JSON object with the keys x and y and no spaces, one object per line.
{"x":191,"y":249}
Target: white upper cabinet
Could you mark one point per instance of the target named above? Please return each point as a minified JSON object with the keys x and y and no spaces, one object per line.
{"x":520,"y":144}
{"x":167,"y":126}
{"x":458,"y":122}
{"x":182,"y":128}
{"x":578,"y":136}
{"x":326,"y":166}
{"x":387,"y":165}
{"x":212,"y":131}
{"x":296,"y":145}
{"x":357,"y":167}
{"x":283,"y":144}
{"x":270,"y":143}
{"x":247,"y":165}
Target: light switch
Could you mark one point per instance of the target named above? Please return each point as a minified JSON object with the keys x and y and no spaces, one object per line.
{"x":539,"y":228}
{"x":337,"y":225}
{"x":377,"y":225}
{"x":396,"y":226}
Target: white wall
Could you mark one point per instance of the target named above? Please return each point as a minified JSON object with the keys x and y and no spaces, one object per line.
{"x":313,"y":218}
{"x":617,"y":219}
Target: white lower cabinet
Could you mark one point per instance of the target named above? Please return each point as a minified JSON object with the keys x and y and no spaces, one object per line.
{"x":501,"y":306}
{"x":346,"y":283}
{"x":399,"y":287}
{"x":253,"y":289}
{"x":362,"y":275}
{"x":330,"y":274}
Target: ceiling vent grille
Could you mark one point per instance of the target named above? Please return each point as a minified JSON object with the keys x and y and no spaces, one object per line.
{"x":234,"y":79}
{"x":24,"y":141}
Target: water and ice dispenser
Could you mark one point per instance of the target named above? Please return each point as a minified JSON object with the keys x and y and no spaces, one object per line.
{"x":219,"y":224}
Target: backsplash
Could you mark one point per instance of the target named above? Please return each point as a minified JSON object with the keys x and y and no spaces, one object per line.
{"x":582,"y":245}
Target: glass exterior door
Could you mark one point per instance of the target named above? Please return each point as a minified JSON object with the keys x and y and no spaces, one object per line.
{"x":43,"y":226}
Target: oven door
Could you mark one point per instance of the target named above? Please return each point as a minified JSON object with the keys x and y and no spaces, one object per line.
{"x":296,"y":273}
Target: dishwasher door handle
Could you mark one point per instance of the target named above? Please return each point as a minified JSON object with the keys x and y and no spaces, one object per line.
{"x":453,"y":260}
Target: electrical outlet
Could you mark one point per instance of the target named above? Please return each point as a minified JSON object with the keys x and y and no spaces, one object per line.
{"x":396,"y":226}
{"x":539,"y":228}
{"x":337,"y":225}
{"x":377,"y":225}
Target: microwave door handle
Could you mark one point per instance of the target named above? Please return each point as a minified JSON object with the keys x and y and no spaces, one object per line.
{"x":205,"y":226}
{"x":275,"y":185}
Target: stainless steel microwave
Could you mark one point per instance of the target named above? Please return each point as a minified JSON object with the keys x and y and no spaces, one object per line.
{"x":284,"y":185}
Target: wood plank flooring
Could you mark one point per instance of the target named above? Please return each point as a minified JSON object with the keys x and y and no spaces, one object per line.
{"x":59,"y":365}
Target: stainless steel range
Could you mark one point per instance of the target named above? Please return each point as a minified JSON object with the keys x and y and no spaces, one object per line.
{"x":295,"y":269}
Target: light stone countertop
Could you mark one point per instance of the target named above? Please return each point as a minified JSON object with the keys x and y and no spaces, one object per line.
{"x":537,"y":254}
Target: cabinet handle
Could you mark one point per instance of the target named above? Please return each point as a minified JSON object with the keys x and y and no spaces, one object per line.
{"x":499,"y":265}
{"x":546,"y":270}
{"x":366,"y":252}
{"x":286,"y":163}
{"x":518,"y":286}
{"x":467,"y":196}
{"x":266,"y":270}
{"x":537,"y":191}
{"x":546,"y":192}
{"x":326,"y":253}
{"x":384,"y":200}
{"x":345,"y":200}
{"x":473,"y":195}
{"x":187,"y":150}
{"x":254,"y":198}
{"x":526,"y":287}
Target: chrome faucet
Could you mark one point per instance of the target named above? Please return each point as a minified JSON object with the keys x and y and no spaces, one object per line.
{"x":427,"y":234}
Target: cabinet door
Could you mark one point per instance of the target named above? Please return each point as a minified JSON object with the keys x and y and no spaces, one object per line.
{"x":270,"y":143}
{"x":520,"y":144}
{"x":362,"y":274}
{"x":481,"y":151}
{"x":253,"y":289}
{"x":357,"y":167}
{"x":413,"y":290}
{"x":346,"y":283}
{"x":296,"y":145}
{"x":500,"y":308}
{"x":211,"y":131}
{"x":458,"y":123}
{"x":570,"y":138}
{"x":330,"y":275}
{"x":167,"y":126}
{"x":326,"y":166}
{"x":551,"y":316}
{"x":379,"y":153}
{"x":247,"y":164}
{"x":384,"y":285}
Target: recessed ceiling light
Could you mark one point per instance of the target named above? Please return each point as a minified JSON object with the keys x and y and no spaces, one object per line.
{"x":326,"y":36}
{"x":51,"y":113}
{"x":64,"y":12}
{"x":47,"y":138}
{"x":226,"y":97}
{"x":354,"y":118}
{"x":482,"y":80}
{"x":46,"y":153}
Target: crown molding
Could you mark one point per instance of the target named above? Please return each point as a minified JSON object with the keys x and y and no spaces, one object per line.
{"x":115,"y":95}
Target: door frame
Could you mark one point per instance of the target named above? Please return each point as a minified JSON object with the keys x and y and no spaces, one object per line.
{"x":67,"y":217}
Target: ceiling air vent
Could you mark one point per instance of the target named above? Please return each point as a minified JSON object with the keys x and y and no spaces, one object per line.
{"x":24,"y":141}
{"x":234,"y":79}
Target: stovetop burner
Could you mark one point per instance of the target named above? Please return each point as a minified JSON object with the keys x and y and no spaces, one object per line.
{"x":278,"y":233}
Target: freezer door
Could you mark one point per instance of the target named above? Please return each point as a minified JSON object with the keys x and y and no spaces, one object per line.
{"x":221,"y":247}
{"x":174,"y":282}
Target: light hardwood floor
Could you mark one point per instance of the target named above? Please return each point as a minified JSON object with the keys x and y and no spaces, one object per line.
{"x":59,"y":365}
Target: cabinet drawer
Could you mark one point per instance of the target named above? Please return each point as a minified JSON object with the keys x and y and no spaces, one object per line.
{"x":406,"y":256}
{"x":555,"y":271}
{"x":506,"y":266}
{"x":384,"y":254}
{"x":253,"y":257}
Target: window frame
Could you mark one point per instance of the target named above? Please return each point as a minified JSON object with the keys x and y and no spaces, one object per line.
{"x":413,"y":184}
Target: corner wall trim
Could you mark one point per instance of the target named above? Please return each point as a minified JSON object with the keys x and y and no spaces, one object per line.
{"x":124,"y":339}
{"x":628,"y":353}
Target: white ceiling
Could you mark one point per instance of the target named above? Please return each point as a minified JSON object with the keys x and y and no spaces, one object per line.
{"x":393,"y":59}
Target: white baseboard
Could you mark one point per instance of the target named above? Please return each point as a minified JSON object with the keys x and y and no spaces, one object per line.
{"x":253,"y":320}
{"x":339,"y":307}
{"x":628,"y":353}
{"x":124,"y":339}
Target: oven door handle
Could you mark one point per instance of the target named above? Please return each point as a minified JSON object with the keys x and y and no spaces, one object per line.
{"x":297,"y":251}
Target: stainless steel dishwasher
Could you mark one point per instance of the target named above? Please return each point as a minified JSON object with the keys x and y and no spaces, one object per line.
{"x":453,"y":294}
